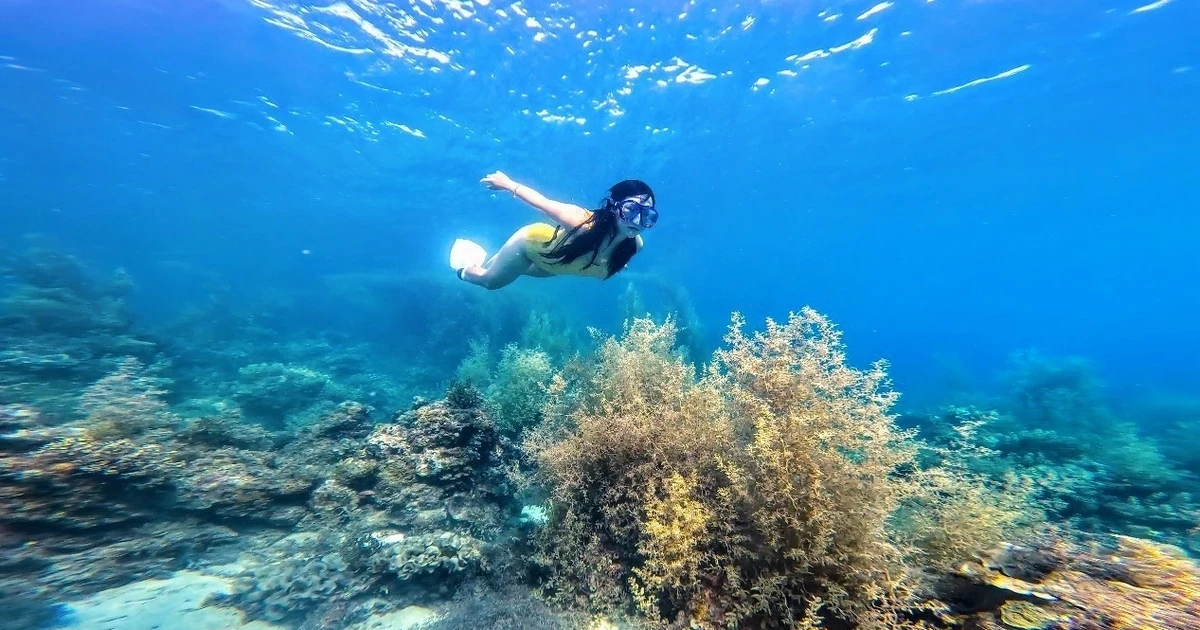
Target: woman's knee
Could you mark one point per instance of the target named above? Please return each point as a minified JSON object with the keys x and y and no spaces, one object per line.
{"x":490,"y":279}
{"x":490,"y":282}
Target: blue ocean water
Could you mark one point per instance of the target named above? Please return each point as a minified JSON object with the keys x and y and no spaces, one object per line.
{"x":945,"y":178}
{"x":951,"y":182}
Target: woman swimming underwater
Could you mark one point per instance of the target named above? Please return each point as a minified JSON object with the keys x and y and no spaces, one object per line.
{"x":596,"y":243}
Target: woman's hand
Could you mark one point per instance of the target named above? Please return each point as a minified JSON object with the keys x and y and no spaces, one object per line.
{"x":498,"y":181}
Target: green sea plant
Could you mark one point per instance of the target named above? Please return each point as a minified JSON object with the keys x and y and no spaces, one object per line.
{"x":656,"y":297}
{"x":476,"y":368}
{"x":550,"y":334}
{"x":517,"y":394}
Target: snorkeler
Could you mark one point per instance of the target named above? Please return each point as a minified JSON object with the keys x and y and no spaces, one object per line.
{"x":596,"y":243}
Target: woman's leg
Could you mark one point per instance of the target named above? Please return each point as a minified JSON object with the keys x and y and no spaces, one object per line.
{"x":506,"y":265}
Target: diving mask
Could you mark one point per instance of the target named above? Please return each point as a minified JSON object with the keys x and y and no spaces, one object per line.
{"x":635,"y":211}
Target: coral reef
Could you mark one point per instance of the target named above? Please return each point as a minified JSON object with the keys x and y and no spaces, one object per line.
{"x":965,"y":499}
{"x":770,"y":487}
{"x":1178,"y":419}
{"x":440,"y":465}
{"x":234,"y":486}
{"x":81,"y":511}
{"x":126,"y":403}
{"x":418,"y":501}
{"x":274,"y":391}
{"x":290,"y":580}
{"x":61,"y":328}
{"x":1119,"y":584}
{"x":1105,"y":477}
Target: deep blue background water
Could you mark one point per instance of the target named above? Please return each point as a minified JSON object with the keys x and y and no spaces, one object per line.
{"x":195,"y":142}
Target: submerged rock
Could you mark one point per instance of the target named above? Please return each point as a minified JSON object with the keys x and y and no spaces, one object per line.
{"x":1112,"y":584}
{"x":408,"y":618}
{"x":443,"y":467}
{"x":173,"y":602}
{"x":247,"y":486}
{"x":409,"y":509}
{"x":69,"y":480}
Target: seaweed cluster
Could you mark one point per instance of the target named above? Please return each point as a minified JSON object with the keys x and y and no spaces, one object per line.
{"x":1090,"y":466}
{"x":771,"y":491}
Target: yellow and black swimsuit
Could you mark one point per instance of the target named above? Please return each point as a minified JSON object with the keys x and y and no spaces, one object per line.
{"x":542,"y":238}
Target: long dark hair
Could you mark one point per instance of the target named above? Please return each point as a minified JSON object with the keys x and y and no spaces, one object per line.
{"x":589,"y":237}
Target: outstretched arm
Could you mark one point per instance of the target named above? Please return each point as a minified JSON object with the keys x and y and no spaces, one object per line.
{"x":565,"y":214}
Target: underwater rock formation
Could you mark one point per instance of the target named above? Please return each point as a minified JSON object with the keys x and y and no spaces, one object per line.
{"x":1119,"y":584}
{"x":78,"y":513}
{"x":274,"y":391}
{"x":61,"y":328}
{"x":441,"y":466}
{"x":359,"y":507}
{"x":420,"y":501}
